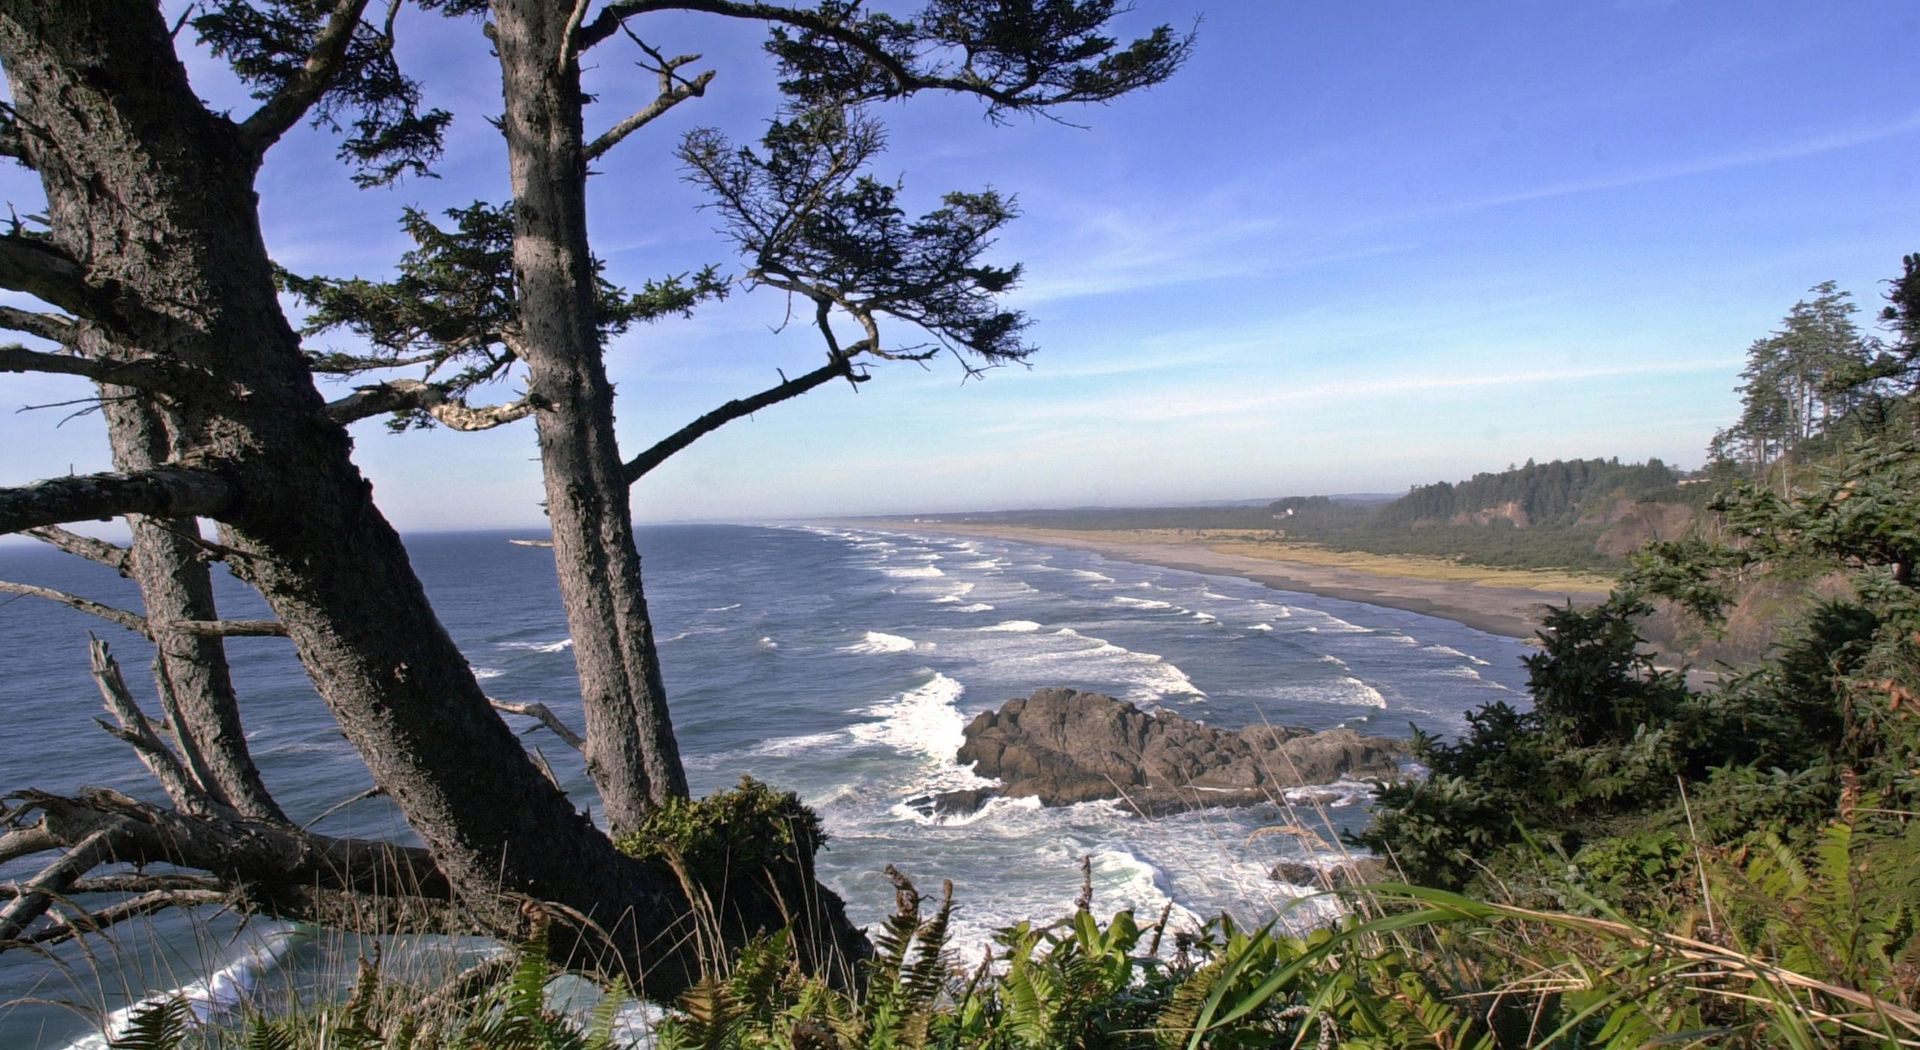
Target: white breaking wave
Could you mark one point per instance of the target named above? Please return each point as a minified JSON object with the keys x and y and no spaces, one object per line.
{"x":917,"y":572}
{"x":1363,"y":693}
{"x":795,"y":745}
{"x":1261,"y":627}
{"x":954,"y":596}
{"x":212,"y":998}
{"x":484,"y":673}
{"x":1447,"y":650}
{"x":921,"y":720}
{"x":724,"y":608}
{"x":1206,"y":617}
{"x":540,"y":647}
{"x":976,"y":607}
{"x":1152,"y":676}
{"x":1141,"y":603}
{"x":877,"y":642}
{"x":767,"y":643}
{"x":1088,"y":574}
{"x":1014,"y":627}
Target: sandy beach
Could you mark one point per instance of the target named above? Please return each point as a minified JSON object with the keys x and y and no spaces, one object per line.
{"x":1506,"y":602}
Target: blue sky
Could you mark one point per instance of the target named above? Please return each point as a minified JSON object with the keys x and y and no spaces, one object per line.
{"x":1351,"y":247}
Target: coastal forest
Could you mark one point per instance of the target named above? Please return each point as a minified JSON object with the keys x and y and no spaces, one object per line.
{"x":1620,"y":858}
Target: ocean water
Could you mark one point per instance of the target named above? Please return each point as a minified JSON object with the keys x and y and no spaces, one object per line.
{"x":841,"y":663}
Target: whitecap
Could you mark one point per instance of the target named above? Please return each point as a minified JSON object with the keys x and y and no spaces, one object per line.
{"x":1088,"y":574}
{"x":917,"y":572}
{"x":1261,"y":627}
{"x":540,"y":647}
{"x":1447,"y":650}
{"x":1013,"y":627}
{"x":1206,"y":617}
{"x":1362,"y":693}
{"x":976,"y":607}
{"x":877,"y":642}
{"x":921,"y":720}
{"x":782,"y":747}
{"x":1141,"y":603}
{"x":484,"y":673}
{"x":213,"y":998}
{"x":767,"y":644}
{"x":724,"y":608}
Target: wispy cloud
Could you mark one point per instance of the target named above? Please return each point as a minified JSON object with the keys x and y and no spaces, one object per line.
{"x":1811,"y":146}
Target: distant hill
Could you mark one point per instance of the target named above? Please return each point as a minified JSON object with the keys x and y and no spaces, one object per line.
{"x":1576,"y":513}
{"x":1560,"y":492}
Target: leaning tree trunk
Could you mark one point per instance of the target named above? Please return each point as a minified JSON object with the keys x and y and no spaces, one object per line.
{"x":190,"y":669}
{"x":153,"y":197}
{"x":631,"y":752}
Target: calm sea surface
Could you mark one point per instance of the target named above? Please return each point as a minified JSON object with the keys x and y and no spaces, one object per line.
{"x":839,"y":663}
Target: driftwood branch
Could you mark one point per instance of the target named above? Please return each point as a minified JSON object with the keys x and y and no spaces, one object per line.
{"x":281,"y":112}
{"x":403,"y":395}
{"x":545,"y":716}
{"x":113,"y":556}
{"x":162,"y":492}
{"x":638,"y":466}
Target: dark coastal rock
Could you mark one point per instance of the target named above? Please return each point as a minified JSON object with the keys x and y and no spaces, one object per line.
{"x":1063,"y":746}
{"x":1352,"y":871}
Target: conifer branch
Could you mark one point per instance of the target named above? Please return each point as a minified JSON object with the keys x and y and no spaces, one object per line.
{"x":284,"y":108}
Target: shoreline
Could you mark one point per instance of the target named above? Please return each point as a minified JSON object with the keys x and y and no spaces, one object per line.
{"x":1513,"y":612}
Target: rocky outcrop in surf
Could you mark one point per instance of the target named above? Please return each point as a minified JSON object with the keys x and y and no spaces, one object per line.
{"x":1064,"y":746}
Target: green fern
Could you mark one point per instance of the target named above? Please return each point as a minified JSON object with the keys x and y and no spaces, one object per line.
{"x":160,"y":1025}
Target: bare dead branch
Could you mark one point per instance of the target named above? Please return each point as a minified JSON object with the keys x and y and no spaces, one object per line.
{"x":228,"y":628}
{"x":613,"y":15}
{"x":113,"y":556}
{"x":638,"y":466}
{"x":162,"y":492}
{"x":25,"y":842}
{"x":280,"y":113}
{"x":359,"y":796}
{"x":51,"y":327}
{"x":53,"y":880}
{"x":136,"y":730}
{"x":132,"y":621}
{"x":126,"y":882}
{"x":674,"y":90}
{"x":36,"y":267}
{"x":545,"y":716}
{"x":264,"y":867}
{"x":402,"y":395}
{"x":151,"y":374}
{"x":64,"y":928}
